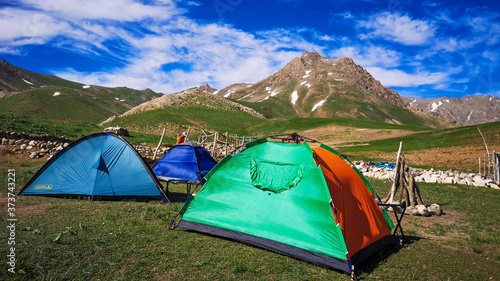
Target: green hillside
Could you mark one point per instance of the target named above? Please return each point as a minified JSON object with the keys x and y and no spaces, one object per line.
{"x":196,"y":116}
{"x":452,"y":137}
{"x":46,"y":96}
{"x":314,"y":86}
{"x":356,"y":105}
{"x":72,"y":103}
{"x":43,"y":126}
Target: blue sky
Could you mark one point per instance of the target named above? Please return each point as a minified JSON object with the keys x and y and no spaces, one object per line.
{"x":418,"y":48}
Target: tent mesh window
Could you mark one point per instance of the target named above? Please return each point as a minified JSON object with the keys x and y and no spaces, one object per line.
{"x":274,"y":176}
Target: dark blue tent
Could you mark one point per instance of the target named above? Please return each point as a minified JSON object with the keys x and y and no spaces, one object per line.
{"x":101,"y":164}
{"x":186,"y":161}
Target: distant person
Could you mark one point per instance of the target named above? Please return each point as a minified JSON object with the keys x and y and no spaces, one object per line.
{"x":181,"y":138}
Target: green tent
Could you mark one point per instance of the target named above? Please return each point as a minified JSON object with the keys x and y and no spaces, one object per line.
{"x":292,"y":199}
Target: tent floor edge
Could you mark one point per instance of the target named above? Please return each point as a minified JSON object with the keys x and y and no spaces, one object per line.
{"x":371,"y":249}
{"x":90,"y":197}
{"x":267,"y":244}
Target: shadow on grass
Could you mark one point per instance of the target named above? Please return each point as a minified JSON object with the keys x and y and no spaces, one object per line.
{"x":177,"y":197}
{"x":97,"y":197}
{"x":373,"y":262}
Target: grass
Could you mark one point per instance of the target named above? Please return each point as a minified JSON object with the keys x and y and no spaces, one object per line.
{"x":74,"y":102}
{"x":195,"y":116}
{"x":127,"y":240}
{"x":461,"y":136}
{"x":42,"y":126}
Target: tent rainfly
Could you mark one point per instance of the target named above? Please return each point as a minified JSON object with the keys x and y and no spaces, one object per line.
{"x":185,"y":161}
{"x":295,"y":200}
{"x":103,"y":165}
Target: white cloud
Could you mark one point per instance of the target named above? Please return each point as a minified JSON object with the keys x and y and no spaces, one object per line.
{"x":120,"y":10}
{"x":396,"y":77}
{"x":452,"y":44}
{"x":369,"y":56}
{"x":218,"y":54}
{"x":399,"y":28}
{"x":21,"y":27}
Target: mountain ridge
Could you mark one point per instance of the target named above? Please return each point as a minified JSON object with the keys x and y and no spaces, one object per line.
{"x":315,"y":86}
{"x":48,"y":96}
{"x":466,"y":111}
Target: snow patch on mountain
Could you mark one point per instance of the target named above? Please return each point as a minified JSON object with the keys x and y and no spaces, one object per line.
{"x":295,"y":97}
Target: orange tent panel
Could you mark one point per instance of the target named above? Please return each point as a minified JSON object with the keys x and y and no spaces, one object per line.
{"x":360,"y":218}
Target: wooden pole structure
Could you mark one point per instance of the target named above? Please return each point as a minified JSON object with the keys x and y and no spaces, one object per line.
{"x":483,"y":141}
{"x":496,"y":157}
{"x":214,"y":147}
{"x":484,"y":165}
{"x":227,"y":142}
{"x":159,"y":144}
{"x":395,"y":184}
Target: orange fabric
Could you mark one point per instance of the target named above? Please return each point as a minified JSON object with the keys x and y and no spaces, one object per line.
{"x":360,"y":218}
{"x":181,"y":139}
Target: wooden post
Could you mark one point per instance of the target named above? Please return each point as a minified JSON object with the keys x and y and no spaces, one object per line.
{"x":402,"y":178}
{"x":214,"y":147}
{"x":497,"y":167}
{"x":227,"y":142}
{"x":159,"y":144}
{"x":479,"y":172}
{"x":484,"y":166}
{"x":187,"y":133}
{"x":411,"y":193}
{"x":394,"y":183}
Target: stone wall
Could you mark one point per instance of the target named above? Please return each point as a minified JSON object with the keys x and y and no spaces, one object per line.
{"x":429,"y":176}
{"x":45,"y":146}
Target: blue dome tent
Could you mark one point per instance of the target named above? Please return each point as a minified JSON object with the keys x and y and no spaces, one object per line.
{"x":186,"y":162}
{"x":103,"y":165}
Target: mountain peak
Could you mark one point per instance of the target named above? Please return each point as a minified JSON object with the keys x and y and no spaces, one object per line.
{"x":317,"y":74}
{"x":316,"y":86}
{"x":206,"y":88}
{"x":310,"y":55}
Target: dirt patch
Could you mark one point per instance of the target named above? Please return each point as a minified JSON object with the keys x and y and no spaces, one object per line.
{"x":434,"y":227}
{"x":333,"y":135}
{"x":463,"y":158}
{"x":24,"y":206}
{"x":456,"y":158}
{"x":20,"y":162}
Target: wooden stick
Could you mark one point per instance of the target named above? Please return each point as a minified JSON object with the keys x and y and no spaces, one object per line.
{"x":394,"y":183}
{"x":158,"y":146}
{"x":420,"y":200}
{"x":401,"y":178}
{"x":484,"y":164}
{"x":216,"y":135}
{"x":227,"y":143}
{"x":483,"y":141}
{"x":411,"y":191}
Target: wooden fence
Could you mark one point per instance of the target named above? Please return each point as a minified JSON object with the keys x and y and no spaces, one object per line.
{"x":496,"y":167}
{"x":489,"y":166}
{"x":221,"y":144}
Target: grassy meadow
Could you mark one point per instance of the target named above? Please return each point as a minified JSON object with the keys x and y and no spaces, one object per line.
{"x":74,"y":239}
{"x":436,"y":138}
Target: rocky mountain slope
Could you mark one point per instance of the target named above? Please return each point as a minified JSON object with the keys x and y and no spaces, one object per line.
{"x":314,"y":86}
{"x":194,"y":108}
{"x":470,"y":110}
{"x":200,"y":96}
